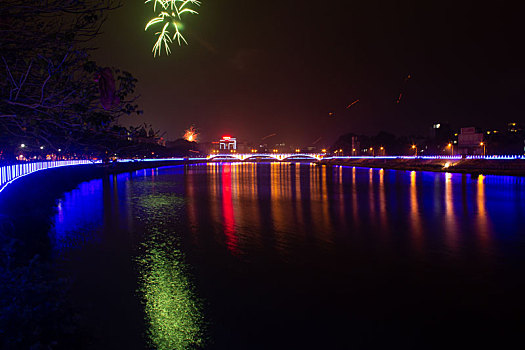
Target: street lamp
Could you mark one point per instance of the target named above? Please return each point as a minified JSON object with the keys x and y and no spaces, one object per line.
{"x":372,"y":149}
{"x":415,"y":147}
{"x":353,"y":151}
{"x":451,"y":146}
{"x":382,"y":150}
{"x":483,"y":144}
{"x":323,"y":150}
{"x":23,"y":145}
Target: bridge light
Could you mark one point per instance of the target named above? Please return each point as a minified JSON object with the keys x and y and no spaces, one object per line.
{"x":297,"y":150}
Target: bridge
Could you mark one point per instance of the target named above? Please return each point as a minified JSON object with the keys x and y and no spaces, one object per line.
{"x":268,"y":156}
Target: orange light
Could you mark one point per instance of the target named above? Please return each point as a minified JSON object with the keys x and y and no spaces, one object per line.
{"x":226,"y":137}
{"x":449,"y":145}
{"x":413,"y":146}
{"x":323,"y":150}
{"x":381,"y":148}
{"x":481,"y":143}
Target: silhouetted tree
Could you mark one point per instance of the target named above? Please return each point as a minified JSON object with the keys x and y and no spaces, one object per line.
{"x":50,"y":89}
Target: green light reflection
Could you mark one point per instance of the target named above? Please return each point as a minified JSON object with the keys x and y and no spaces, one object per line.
{"x":173,"y":312}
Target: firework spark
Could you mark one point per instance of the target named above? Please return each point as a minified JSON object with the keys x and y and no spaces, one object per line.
{"x":267,"y":136}
{"x":168,"y":16}
{"x":191,"y":134}
{"x":351,"y":104}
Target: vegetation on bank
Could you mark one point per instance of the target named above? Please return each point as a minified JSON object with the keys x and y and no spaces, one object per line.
{"x":470,"y":166}
{"x":54,"y":97}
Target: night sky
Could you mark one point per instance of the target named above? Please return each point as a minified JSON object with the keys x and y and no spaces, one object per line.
{"x":253,"y":68}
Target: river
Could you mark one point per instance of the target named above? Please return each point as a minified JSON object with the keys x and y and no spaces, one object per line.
{"x":293,"y":256}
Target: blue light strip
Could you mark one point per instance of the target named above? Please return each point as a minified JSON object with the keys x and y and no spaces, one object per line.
{"x":10,"y":173}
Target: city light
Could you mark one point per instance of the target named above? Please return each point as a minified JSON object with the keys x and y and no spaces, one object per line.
{"x":23,"y":145}
{"x":415,"y":148}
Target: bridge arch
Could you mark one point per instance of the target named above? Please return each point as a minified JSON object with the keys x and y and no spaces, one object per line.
{"x":261,"y":156}
{"x":224,"y":156}
{"x":301,"y":156}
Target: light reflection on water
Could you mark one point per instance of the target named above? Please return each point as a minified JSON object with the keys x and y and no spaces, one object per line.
{"x":297,"y":201}
{"x":351,"y":228}
{"x":172,"y":310}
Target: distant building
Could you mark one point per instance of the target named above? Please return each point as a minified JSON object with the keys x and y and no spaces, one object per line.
{"x":228,"y":143}
{"x":470,"y":142}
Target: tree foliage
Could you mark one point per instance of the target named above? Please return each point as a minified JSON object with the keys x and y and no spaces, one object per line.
{"x":48,"y":87}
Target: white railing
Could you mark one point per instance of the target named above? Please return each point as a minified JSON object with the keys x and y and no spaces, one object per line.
{"x":9,"y":173}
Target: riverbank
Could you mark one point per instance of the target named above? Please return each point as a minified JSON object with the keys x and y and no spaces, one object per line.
{"x":515,"y":167}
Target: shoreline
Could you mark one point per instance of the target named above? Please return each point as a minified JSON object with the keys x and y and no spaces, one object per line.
{"x":510,"y":167}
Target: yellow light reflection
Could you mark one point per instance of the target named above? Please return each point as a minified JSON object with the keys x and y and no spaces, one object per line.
{"x":382,"y":201}
{"x":415,"y":217}
{"x":451,"y":229}
{"x":482,"y":218}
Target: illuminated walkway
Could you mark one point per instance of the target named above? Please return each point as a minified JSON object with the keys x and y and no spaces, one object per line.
{"x":10,"y":173}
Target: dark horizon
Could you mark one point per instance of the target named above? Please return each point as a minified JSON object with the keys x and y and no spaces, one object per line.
{"x":251,"y":70}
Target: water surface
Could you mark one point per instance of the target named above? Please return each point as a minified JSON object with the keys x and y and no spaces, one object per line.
{"x":290,"y":255}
